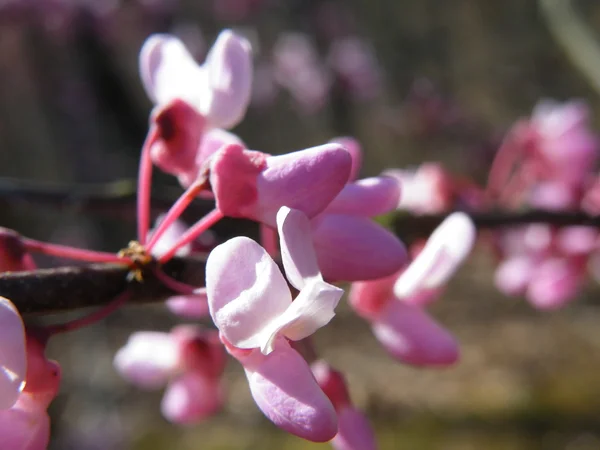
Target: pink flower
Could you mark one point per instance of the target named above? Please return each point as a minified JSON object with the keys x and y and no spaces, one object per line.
{"x":255,"y":185}
{"x":188,"y":359}
{"x":251,"y":305}
{"x":219,"y":90}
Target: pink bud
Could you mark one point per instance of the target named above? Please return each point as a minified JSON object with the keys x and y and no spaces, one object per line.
{"x":13,"y":254}
{"x":190,"y":306}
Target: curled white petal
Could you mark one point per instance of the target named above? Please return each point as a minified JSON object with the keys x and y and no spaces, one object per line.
{"x":312,"y":309}
{"x":445,"y":250}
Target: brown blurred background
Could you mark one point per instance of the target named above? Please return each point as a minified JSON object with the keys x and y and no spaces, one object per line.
{"x":454,"y":75}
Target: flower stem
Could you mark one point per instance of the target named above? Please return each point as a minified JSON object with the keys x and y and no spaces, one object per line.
{"x":79,"y":254}
{"x":176,"y":210}
{"x":192,"y":233}
{"x":92,"y":318}
{"x":145,"y":186}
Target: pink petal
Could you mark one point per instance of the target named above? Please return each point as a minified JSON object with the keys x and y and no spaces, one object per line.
{"x":410,"y":335}
{"x":577,"y":240}
{"x":191,"y":398}
{"x":246,"y":291}
{"x":168,"y":71}
{"x":447,"y":247}
{"x":13,"y":359}
{"x":312,"y":309}
{"x":368,"y":197}
{"x":229,"y":71}
{"x":353,"y":248}
{"x":191,"y":306}
{"x":285,"y":390}
{"x":148,"y":359}
{"x":25,"y":426}
{"x":307,"y":180}
{"x":297,"y":251}
{"x":355,"y":432}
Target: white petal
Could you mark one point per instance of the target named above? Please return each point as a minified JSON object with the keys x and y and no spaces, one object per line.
{"x":297,"y":250}
{"x":445,"y":250}
{"x":313,"y":308}
{"x":246,"y":291}
{"x":168,"y":71}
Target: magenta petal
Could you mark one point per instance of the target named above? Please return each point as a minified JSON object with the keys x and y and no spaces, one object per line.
{"x":297,"y":251}
{"x":306,"y":180}
{"x":191,"y":398}
{"x":368,"y":197}
{"x":246,"y":291}
{"x":13,"y":359}
{"x":285,"y":390}
{"x":410,"y":335}
{"x":355,"y":432}
{"x":353,"y":248}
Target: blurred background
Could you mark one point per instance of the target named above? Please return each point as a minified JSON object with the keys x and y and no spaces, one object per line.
{"x":414,"y":81}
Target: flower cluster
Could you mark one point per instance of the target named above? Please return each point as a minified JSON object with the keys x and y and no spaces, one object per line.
{"x":317,"y":223}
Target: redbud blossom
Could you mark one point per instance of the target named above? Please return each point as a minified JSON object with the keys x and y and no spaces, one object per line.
{"x":219,"y":89}
{"x":251,"y":305}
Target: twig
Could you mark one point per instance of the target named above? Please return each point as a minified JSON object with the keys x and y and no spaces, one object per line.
{"x":67,"y":288}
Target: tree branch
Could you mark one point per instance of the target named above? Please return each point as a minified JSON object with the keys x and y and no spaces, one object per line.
{"x":67,"y":288}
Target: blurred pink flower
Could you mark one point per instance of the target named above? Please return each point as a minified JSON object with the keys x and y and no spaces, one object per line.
{"x":188,"y":359}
